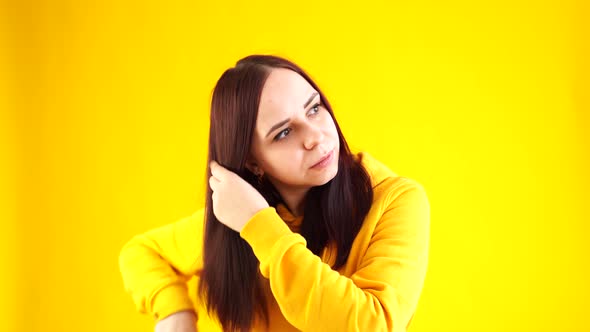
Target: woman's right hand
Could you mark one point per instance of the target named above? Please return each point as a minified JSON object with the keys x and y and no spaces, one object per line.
{"x":182,"y":321}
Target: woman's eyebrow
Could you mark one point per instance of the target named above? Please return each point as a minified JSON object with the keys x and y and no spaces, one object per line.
{"x":278,"y":125}
{"x":310,"y":99}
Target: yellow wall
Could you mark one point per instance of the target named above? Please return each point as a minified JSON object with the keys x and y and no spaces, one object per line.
{"x":104,"y":119}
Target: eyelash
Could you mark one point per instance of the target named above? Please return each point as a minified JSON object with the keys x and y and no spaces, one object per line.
{"x":288,"y":130}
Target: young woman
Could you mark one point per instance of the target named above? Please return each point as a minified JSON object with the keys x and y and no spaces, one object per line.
{"x":298,"y":233}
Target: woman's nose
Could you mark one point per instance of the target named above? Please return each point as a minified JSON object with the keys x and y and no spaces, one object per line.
{"x":313,"y":136}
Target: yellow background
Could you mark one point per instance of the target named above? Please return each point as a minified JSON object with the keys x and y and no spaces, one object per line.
{"x":104,"y":121}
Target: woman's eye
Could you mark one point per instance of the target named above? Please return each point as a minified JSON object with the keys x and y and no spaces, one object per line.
{"x":282,"y":134}
{"x":315,"y":108}
{"x":285,"y":132}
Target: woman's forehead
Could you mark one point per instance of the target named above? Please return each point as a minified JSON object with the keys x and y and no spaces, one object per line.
{"x":284,"y":92}
{"x":284,"y":88}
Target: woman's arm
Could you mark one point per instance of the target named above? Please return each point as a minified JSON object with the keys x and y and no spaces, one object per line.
{"x":380,"y":296}
{"x":182,"y":321}
{"x":156,"y":266}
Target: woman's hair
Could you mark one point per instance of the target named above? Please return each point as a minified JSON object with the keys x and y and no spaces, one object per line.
{"x":230,"y":281}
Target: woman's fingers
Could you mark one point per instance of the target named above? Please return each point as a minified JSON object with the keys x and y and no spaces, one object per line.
{"x":213,"y":183}
{"x":234,"y":200}
{"x":217,"y":170}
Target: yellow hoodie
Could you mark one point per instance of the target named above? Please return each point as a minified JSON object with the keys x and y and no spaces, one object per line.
{"x":376,"y":290}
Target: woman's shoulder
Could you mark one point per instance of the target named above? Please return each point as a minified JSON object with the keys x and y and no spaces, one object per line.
{"x":387,"y":184}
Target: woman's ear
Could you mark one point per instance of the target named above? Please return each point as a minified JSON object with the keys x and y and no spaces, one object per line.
{"x":253,"y":167}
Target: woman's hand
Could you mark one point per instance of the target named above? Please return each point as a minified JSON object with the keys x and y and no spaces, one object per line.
{"x":182,"y":321}
{"x":235,"y":201}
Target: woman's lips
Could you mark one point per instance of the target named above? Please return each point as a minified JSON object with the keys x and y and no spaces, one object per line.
{"x":325,"y":161}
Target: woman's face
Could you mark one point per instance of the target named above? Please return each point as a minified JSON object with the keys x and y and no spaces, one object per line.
{"x":293,"y":133}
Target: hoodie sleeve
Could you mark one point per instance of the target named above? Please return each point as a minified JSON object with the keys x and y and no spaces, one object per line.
{"x":155,"y":266}
{"x":381,"y":295}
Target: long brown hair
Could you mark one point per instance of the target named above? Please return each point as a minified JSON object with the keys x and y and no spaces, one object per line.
{"x":333,"y":213}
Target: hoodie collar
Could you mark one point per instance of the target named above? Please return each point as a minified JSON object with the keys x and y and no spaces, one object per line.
{"x":292,"y":221}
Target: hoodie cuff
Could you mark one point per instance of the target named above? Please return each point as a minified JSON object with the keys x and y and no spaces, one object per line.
{"x":171,"y":299}
{"x":263,"y":231}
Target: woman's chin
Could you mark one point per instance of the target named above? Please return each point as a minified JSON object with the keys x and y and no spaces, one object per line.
{"x":325,"y":177}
